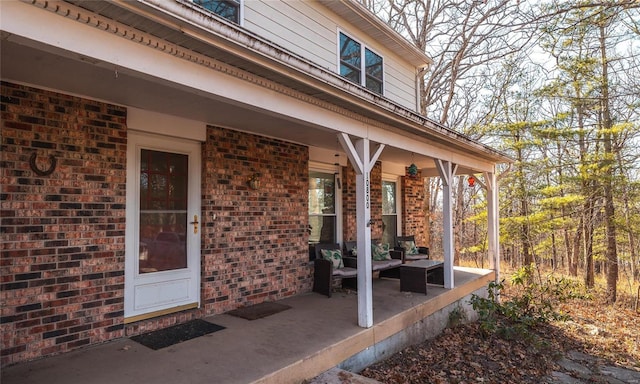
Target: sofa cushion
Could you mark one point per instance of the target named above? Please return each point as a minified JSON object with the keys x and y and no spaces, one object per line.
{"x":409,"y":247}
{"x":395,"y":262}
{"x":334,"y":256}
{"x":345,"y":272}
{"x":377,"y":265}
{"x":417,"y":256}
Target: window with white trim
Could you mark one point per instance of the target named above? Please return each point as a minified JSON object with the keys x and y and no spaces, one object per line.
{"x":367,"y":72}
{"x":323,"y":218}
{"x":229,"y":9}
{"x":389,"y":212}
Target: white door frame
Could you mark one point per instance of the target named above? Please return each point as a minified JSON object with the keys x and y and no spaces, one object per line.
{"x":152,"y":294}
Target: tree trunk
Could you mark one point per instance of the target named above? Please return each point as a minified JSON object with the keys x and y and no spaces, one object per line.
{"x":630,"y":230}
{"x":589,"y":278}
{"x":577,"y":242}
{"x":609,"y":209}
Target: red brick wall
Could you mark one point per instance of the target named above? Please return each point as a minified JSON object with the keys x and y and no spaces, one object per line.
{"x":62,"y":253}
{"x":413,"y":208}
{"x":255,"y":242}
{"x":63,"y":234}
{"x":349,"y":202}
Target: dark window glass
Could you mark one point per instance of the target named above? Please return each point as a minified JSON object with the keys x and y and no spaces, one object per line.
{"x":322,"y":207}
{"x":389,"y":213}
{"x":350,"y":61}
{"x":373,"y":71}
{"x":229,"y":9}
{"x":163,"y":211}
{"x":352,"y":65}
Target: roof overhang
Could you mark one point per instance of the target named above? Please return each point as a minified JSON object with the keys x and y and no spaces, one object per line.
{"x":207,"y":37}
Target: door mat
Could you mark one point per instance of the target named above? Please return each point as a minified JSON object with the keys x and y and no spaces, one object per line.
{"x":163,"y":338}
{"x":259,"y":311}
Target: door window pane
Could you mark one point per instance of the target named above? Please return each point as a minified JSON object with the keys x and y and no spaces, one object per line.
{"x":163,"y":211}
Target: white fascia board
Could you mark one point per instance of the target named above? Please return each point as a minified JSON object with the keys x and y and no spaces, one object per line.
{"x":427,"y":149}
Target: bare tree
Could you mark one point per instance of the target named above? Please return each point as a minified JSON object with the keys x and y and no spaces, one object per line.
{"x":465,"y":38}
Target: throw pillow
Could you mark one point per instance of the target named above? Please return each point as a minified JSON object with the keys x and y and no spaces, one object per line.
{"x":409,"y":247}
{"x":380,"y":252}
{"x":334,"y":256}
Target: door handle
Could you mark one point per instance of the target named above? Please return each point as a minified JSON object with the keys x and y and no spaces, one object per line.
{"x":195,"y":224}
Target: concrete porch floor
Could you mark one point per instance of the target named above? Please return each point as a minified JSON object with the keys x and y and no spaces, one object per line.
{"x":316,"y":334}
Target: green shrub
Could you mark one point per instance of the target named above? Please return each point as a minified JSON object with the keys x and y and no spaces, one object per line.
{"x":530,"y":303}
{"x":457,"y":316}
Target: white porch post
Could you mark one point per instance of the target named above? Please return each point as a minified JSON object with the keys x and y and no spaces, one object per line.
{"x":447,"y":170}
{"x":362,"y":163}
{"x":493,"y":222}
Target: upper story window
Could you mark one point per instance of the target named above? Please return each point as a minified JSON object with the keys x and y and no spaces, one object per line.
{"x":360,"y":64}
{"x":229,"y":9}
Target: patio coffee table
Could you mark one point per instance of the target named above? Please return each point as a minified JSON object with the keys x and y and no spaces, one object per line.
{"x":415,"y":276}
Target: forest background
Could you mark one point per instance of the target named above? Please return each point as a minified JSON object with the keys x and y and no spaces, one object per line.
{"x":555,"y":85}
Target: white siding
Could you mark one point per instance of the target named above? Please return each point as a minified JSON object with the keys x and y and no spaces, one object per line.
{"x":310,"y":30}
{"x":301,"y":27}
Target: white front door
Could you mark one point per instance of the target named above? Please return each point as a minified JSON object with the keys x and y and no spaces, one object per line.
{"x":162,"y":262}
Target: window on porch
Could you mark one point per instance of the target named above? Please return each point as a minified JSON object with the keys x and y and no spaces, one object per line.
{"x":322,"y":207}
{"x":389,"y":212}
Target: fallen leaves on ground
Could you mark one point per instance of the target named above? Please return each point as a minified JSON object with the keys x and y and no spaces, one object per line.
{"x":465,"y":354}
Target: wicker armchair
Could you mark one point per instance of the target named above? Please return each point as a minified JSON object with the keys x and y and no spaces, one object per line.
{"x":324,"y":271}
{"x":419,"y":253}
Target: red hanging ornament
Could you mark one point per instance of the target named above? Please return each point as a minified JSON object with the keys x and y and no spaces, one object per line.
{"x":472,"y":181}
